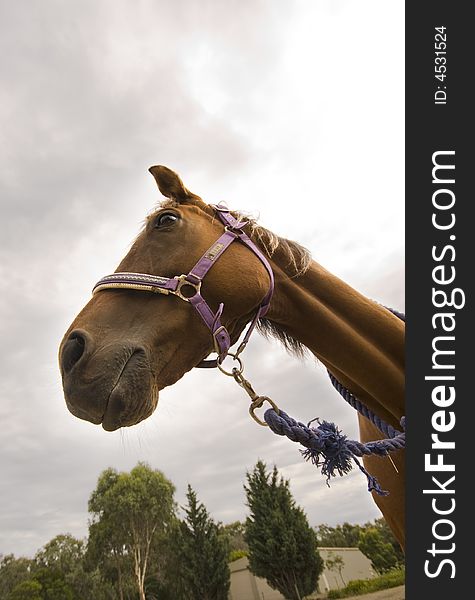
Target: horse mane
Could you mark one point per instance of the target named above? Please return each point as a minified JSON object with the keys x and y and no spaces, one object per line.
{"x":298,"y":260}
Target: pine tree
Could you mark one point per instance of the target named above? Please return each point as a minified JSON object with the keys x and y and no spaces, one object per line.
{"x":202,"y":554}
{"x":282,"y":545}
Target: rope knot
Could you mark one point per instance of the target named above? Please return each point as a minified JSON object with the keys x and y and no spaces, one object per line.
{"x":325,"y":445}
{"x":333,"y":454}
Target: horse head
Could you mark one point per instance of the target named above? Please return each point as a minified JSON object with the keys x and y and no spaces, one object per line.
{"x":126,"y":345}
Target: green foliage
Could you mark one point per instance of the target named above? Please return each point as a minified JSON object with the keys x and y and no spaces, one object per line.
{"x":107,"y":554}
{"x":282,"y":546}
{"x":202,"y":554}
{"x":156,"y":589}
{"x":131,"y":513}
{"x":13,"y":571}
{"x":53,"y":584}
{"x":237,"y":554}
{"x":63,"y":559}
{"x":388,"y":537}
{"x":233,"y":533}
{"x":26,"y":590}
{"x":375,"y":540}
{"x":62,"y":553}
{"x":341,"y":536}
{"x":381,"y":553}
{"x":366,"y":586}
{"x":56,"y":573}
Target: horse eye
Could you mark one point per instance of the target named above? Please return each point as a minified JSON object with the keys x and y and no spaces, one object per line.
{"x":165,"y":219}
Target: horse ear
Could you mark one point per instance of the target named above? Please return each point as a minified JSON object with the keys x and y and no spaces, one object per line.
{"x":170,"y":184}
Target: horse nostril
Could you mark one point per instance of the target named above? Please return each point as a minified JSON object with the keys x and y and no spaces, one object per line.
{"x":73,"y":349}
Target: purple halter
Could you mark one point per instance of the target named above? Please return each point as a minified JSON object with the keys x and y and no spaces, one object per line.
{"x":188,"y":287}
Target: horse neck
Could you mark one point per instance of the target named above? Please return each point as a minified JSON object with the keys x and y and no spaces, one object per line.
{"x":359,"y":341}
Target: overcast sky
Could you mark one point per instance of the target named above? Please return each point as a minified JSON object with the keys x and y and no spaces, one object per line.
{"x":291,"y":110}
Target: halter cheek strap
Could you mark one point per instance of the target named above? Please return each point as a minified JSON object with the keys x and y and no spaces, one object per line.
{"x":188,"y":287}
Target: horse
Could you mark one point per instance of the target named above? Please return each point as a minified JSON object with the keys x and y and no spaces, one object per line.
{"x":125,"y":345}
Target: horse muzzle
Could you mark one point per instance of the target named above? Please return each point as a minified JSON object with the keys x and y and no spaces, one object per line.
{"x":111,"y":385}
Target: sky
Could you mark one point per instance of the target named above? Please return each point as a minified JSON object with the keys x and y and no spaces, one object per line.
{"x":290,"y":110}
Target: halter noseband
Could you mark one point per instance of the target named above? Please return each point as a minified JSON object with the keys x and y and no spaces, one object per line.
{"x":188,"y":287}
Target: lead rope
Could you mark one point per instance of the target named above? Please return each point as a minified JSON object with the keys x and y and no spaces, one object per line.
{"x":325,"y":445}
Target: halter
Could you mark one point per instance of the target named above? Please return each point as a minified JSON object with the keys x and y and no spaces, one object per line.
{"x":188,"y":287}
{"x":325,"y":445}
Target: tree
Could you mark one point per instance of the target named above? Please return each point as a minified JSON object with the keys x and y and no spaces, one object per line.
{"x":135,"y":509}
{"x":53,"y":584}
{"x":335,"y":562}
{"x":282,"y":545}
{"x":59,"y":563}
{"x":202,"y":554}
{"x":63,"y":553}
{"x":29,"y":589}
{"x":375,"y":540}
{"x":388,"y":537}
{"x":106,"y":548}
{"x":233,"y":534}
{"x":381,"y":553}
{"x":56,"y":573}
{"x":341,"y":536}
{"x":63,"y":558}
{"x":13,"y":571}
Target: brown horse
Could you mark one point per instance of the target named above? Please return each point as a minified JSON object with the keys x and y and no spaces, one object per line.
{"x":125,"y":345}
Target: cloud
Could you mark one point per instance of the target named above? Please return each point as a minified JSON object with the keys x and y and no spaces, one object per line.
{"x":257,"y":103}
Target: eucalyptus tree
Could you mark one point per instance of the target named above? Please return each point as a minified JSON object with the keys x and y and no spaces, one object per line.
{"x":131,"y":514}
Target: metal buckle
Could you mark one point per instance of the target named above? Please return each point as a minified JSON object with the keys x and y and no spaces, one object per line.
{"x":256,"y":400}
{"x":237,"y":231}
{"x":183,"y":282}
{"x":257,"y":404}
{"x":235,"y":369}
{"x":215,"y":334}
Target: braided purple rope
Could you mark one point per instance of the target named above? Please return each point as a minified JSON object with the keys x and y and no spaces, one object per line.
{"x":328,"y":448}
{"x":353,"y":401}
